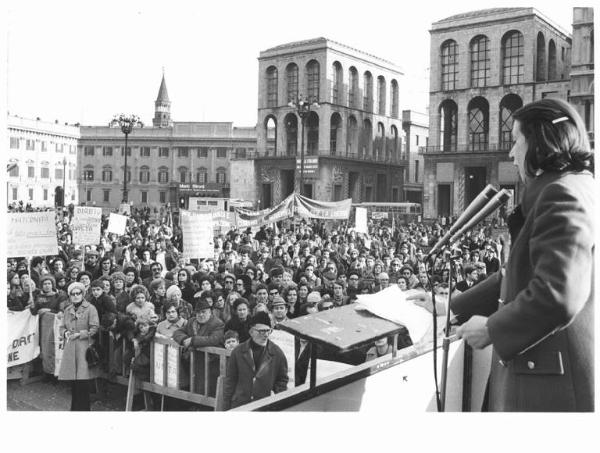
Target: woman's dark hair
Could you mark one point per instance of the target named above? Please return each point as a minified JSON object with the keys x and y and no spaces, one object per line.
{"x":556,"y":136}
{"x":167,"y":306}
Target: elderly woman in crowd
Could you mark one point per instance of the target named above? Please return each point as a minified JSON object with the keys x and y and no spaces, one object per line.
{"x":79,"y":325}
{"x":173,"y":294}
{"x":240,"y":319}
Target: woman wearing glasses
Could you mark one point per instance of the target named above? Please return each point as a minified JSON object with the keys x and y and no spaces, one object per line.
{"x":79,"y":325}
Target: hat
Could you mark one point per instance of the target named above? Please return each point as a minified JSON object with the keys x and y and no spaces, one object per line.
{"x":314,"y":297}
{"x":76,"y":285}
{"x":172,"y":290}
{"x":276,"y":271}
{"x":92,"y":253}
{"x":278,"y":300}
{"x":260,"y":318}
{"x":45,"y":277}
{"x":202,"y":304}
{"x":97,"y":284}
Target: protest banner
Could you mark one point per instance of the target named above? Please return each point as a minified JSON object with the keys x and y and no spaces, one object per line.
{"x":59,"y":345}
{"x":360,"y":220}
{"x":315,"y":209}
{"x":23,"y":337}
{"x":284,"y":210}
{"x":31,"y":234}
{"x":117,"y":224}
{"x":197,"y":231}
{"x":285,"y":341}
{"x":86,"y":225}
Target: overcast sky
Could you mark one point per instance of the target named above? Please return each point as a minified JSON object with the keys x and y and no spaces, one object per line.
{"x":79,"y":61}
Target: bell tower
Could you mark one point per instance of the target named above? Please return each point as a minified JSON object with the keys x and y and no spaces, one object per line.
{"x":162,"y":106}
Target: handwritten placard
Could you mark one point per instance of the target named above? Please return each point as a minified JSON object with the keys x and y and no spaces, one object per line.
{"x":86,"y":225}
{"x":173,"y":366}
{"x":197,"y":230}
{"x":360,"y":219}
{"x":159,"y":363}
{"x":117,"y":223}
{"x":31,"y":234}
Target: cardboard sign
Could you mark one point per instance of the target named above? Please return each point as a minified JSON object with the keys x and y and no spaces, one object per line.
{"x":172,"y":366}
{"x":197,"y":230}
{"x":86,"y":225}
{"x":31,"y":234}
{"x":159,"y":362}
{"x":117,"y":224}
{"x":23,"y":337}
{"x":360,"y":220}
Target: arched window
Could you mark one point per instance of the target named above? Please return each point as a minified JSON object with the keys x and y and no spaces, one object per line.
{"x":163,"y":175}
{"x":270,"y":130}
{"x":221,"y":175}
{"x":394,"y":142}
{"x":381,"y":94}
{"x":448,"y":125}
{"x":352,"y":138}
{"x":201,"y":175}
{"x":449,"y":65}
{"x":380,"y":142}
{"x":479,"y":124}
{"x":312,"y":134}
{"x":145,"y":174}
{"x":88,"y":173}
{"x":337,"y":83}
{"x":552,"y":72}
{"x":183,"y":171}
{"x":367,"y":142}
{"x":508,"y":105}
{"x":271,"y":86}
{"x":107,"y":174}
{"x":127,"y":173}
{"x":368,"y":97}
{"x":334,"y":130}
{"x":394,"y":99}
{"x":540,"y":71}
{"x":480,"y":61}
{"x":512,"y":58}
{"x":312,"y":80}
{"x":353,"y":88}
{"x":291,"y":75}
{"x":291,"y":134}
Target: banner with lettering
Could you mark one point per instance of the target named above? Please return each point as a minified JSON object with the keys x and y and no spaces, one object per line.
{"x":315,"y":209}
{"x":197,"y":231}
{"x":86,"y":225}
{"x":31,"y":234}
{"x":23,"y":337}
{"x":284,"y":210}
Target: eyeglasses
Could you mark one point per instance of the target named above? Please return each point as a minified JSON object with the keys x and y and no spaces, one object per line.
{"x":274,"y":293}
{"x":76,"y":293}
{"x":228,"y":282}
{"x":263,"y":331}
{"x":353,"y":278}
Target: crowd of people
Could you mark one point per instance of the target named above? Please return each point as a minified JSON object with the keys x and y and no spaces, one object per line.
{"x":141,"y":285}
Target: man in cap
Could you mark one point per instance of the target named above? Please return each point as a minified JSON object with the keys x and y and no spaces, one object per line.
{"x":278,"y":310}
{"x":256,"y":368}
{"x":203,"y":330}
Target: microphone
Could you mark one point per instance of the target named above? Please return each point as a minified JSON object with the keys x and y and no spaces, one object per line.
{"x":498,"y":200}
{"x":476,"y":205}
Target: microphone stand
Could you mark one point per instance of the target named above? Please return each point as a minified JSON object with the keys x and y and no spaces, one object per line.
{"x":447,"y":338}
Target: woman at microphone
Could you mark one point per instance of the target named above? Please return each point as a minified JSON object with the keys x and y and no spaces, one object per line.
{"x":537,"y":312}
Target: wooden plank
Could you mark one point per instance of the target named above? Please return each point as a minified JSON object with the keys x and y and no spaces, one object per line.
{"x":205,"y":372}
{"x":313,"y":364}
{"x":192,"y":372}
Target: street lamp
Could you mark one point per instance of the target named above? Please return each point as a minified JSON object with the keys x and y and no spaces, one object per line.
{"x":126,"y":123}
{"x":303,"y":107}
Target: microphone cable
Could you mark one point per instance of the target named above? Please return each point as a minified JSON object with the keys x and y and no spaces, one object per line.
{"x":438,"y":398}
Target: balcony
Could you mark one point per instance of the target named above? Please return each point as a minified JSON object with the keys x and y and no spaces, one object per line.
{"x":390,"y":159}
{"x":465,"y":149}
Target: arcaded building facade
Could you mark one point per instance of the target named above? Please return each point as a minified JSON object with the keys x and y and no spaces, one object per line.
{"x":484,"y":65}
{"x":352,"y":139}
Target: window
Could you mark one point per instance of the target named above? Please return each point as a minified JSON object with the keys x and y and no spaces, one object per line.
{"x":552,"y":72}
{"x":395,"y":194}
{"x":394,"y":99}
{"x":14,"y":193}
{"x":448,"y":125}
{"x":59,"y":148}
{"x":145,"y":151}
{"x":368,"y":92}
{"x":291,"y":74}
{"x":381,"y":94}
{"x":30,"y":145}
{"x":44,"y":146}
{"x":88,"y":150}
{"x":127,"y":173}
{"x":416,"y":140}
{"x":107,"y":174}
{"x":337,"y":192}
{"x":45,"y":173}
{"x":144,"y":196}
{"x":221,"y":153}
{"x":58,"y":173}
{"x":480,"y":61}
{"x":30,"y":172}
{"x":128,"y":151}
{"x":162,"y":196}
{"x":417,"y":170}
{"x":14,"y":143}
{"x":201,"y":175}
{"x":45,"y":194}
{"x":312,"y":80}
{"x":368,"y":193}
{"x":30,"y":193}
{"x":271,"y":86}
{"x":202,"y":152}
{"x":14,"y":171}
{"x":144,"y":175}
{"x":183,"y":151}
{"x":240,"y":153}
{"x":337,"y":84}
{"x":512,"y":58}
{"x":106,"y":195}
{"x":163,"y":152}
{"x":508,"y":106}
{"x":107,"y":151}
{"x":163,"y":175}
{"x":540,"y":73}
{"x":449,"y":65}
{"x":478,"y":124}
{"x":88,"y":195}
{"x":88,"y":175}
{"x":72,"y":148}
{"x":353,"y":88}
{"x":182,"y":174}
{"x":221,"y":175}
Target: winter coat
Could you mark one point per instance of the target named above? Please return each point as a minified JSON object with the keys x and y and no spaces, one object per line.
{"x":84,"y":321}
{"x":244,"y":383}
{"x":208,"y":334}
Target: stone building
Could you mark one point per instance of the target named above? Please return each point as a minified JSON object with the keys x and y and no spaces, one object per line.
{"x":352,"y":139}
{"x":42,"y":160}
{"x":484,"y":65}
{"x":169,"y":161}
{"x":416,"y":131}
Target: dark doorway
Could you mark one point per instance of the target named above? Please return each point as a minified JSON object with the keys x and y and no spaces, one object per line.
{"x":474,"y":183}
{"x":353,"y":186}
{"x":381,"y":188}
{"x":287,"y":182}
{"x":443,"y":205}
{"x":267,"y":199}
{"x":58,"y":196}
{"x":308,"y":191}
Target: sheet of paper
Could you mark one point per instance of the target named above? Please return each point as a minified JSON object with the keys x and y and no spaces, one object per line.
{"x":391,"y":304}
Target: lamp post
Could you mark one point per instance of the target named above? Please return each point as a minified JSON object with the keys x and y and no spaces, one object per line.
{"x":303,"y":107}
{"x":64,"y":171}
{"x":126,"y":123}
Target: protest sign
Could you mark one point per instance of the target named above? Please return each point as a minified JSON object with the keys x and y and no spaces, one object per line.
{"x":197,"y":231}
{"x":117,"y":224}
{"x":23,"y":337}
{"x":360,"y":220}
{"x":86,"y":225}
{"x":159,"y":361}
{"x":173,"y":366}
{"x":284,"y":210}
{"x":31,"y":234}
{"x":315,"y":209}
